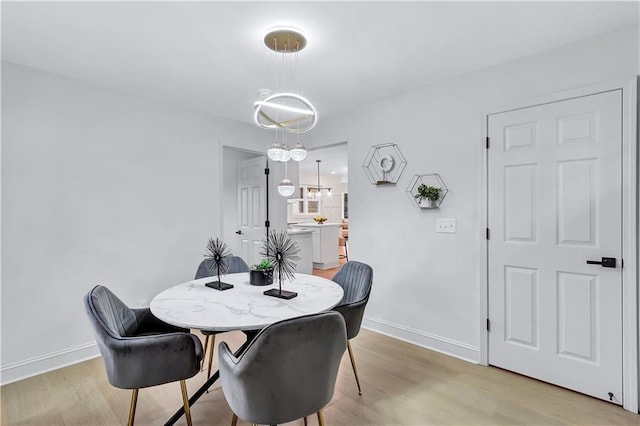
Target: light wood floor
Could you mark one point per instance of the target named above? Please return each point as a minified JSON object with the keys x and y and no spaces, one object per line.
{"x":402,"y":384}
{"x":329,"y":273}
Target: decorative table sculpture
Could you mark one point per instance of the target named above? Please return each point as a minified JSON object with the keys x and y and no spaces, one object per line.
{"x":282,"y":252}
{"x":216,"y":255}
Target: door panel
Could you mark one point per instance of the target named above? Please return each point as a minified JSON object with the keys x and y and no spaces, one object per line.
{"x":577,"y":215}
{"x":521,"y":316}
{"x":555,"y":196}
{"x":520,"y":203}
{"x":251,"y":207}
{"x":577,"y":297}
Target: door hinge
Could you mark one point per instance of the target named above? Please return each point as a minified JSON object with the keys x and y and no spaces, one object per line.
{"x":488,"y":325}
{"x":488,"y":234}
{"x":622,"y":263}
{"x":266,"y":171}
{"x":267,"y":224}
{"x":487,"y":142}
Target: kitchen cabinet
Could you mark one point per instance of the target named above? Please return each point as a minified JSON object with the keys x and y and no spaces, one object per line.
{"x":324,"y":239}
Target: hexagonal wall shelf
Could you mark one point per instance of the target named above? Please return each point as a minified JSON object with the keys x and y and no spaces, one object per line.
{"x":384,"y":164}
{"x":423,"y":190}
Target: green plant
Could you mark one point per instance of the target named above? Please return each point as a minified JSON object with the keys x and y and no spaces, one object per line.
{"x":431,"y":193}
{"x":265,"y":265}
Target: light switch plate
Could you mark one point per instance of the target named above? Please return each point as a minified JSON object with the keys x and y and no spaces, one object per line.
{"x":446,"y":226}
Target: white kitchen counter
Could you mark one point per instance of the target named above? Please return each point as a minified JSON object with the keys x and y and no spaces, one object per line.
{"x":304,"y":238}
{"x":324,"y":243}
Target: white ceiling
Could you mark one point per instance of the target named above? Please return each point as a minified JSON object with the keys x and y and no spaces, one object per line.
{"x":209,"y":56}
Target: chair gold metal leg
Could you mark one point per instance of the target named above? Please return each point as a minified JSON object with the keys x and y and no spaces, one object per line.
{"x":132,"y":407}
{"x":320,"y":419}
{"x":234,"y":420}
{"x":305,"y":420}
{"x":213,"y":344}
{"x":185,"y":401}
{"x":353,"y":364}
{"x":206,"y":343}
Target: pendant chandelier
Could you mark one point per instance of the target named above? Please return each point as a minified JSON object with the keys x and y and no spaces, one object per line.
{"x":316,"y":192}
{"x":286,"y":188}
{"x":284,"y":111}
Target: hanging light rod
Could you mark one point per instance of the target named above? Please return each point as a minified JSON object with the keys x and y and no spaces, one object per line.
{"x":319,"y":188}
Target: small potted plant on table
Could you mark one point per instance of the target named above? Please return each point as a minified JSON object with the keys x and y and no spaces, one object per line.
{"x":261,"y":273}
{"x":427,"y":195}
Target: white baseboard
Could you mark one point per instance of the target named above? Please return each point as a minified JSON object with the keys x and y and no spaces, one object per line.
{"x":41,"y":364}
{"x":434,"y":342}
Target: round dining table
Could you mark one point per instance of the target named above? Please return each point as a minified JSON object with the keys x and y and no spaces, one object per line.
{"x":244,"y":307}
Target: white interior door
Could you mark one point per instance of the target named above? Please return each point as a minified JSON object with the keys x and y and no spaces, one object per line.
{"x":252,"y":208}
{"x":555,"y":200}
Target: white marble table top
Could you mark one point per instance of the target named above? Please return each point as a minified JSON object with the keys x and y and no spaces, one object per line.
{"x":244,"y":307}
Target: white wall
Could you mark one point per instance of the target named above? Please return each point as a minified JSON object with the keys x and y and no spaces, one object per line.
{"x":98,"y":187}
{"x":426,"y":285}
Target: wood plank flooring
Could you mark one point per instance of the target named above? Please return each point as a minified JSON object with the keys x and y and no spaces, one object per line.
{"x":329,"y":273}
{"x":403,"y":384}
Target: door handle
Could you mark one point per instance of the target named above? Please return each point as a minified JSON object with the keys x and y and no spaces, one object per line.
{"x":239,"y":232}
{"x":606,"y":262}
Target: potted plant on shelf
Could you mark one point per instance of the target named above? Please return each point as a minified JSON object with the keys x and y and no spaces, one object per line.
{"x":261,"y":273}
{"x":427,"y":196}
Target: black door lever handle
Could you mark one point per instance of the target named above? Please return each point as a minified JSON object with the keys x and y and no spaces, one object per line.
{"x":606,"y":262}
{"x":239,"y":232}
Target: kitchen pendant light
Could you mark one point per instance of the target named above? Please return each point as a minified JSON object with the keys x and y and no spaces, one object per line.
{"x":316,"y":192}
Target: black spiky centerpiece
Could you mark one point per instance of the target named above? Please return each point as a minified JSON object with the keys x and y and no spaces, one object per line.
{"x":216,"y":255}
{"x":282,"y":252}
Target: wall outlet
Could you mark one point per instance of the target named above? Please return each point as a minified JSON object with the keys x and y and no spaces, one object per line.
{"x":446,"y":225}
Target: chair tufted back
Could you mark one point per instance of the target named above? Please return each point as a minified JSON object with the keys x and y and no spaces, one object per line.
{"x":289,"y":370}
{"x":112,"y":313}
{"x":355,"y":278}
{"x":208,"y":269}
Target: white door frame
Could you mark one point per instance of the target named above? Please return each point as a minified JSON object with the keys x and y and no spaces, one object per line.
{"x":629,"y":227}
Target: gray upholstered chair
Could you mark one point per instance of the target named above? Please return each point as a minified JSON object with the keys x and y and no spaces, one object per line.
{"x":355,"y":278}
{"x":235,"y":264}
{"x":287,"y":372}
{"x":138,"y":349}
